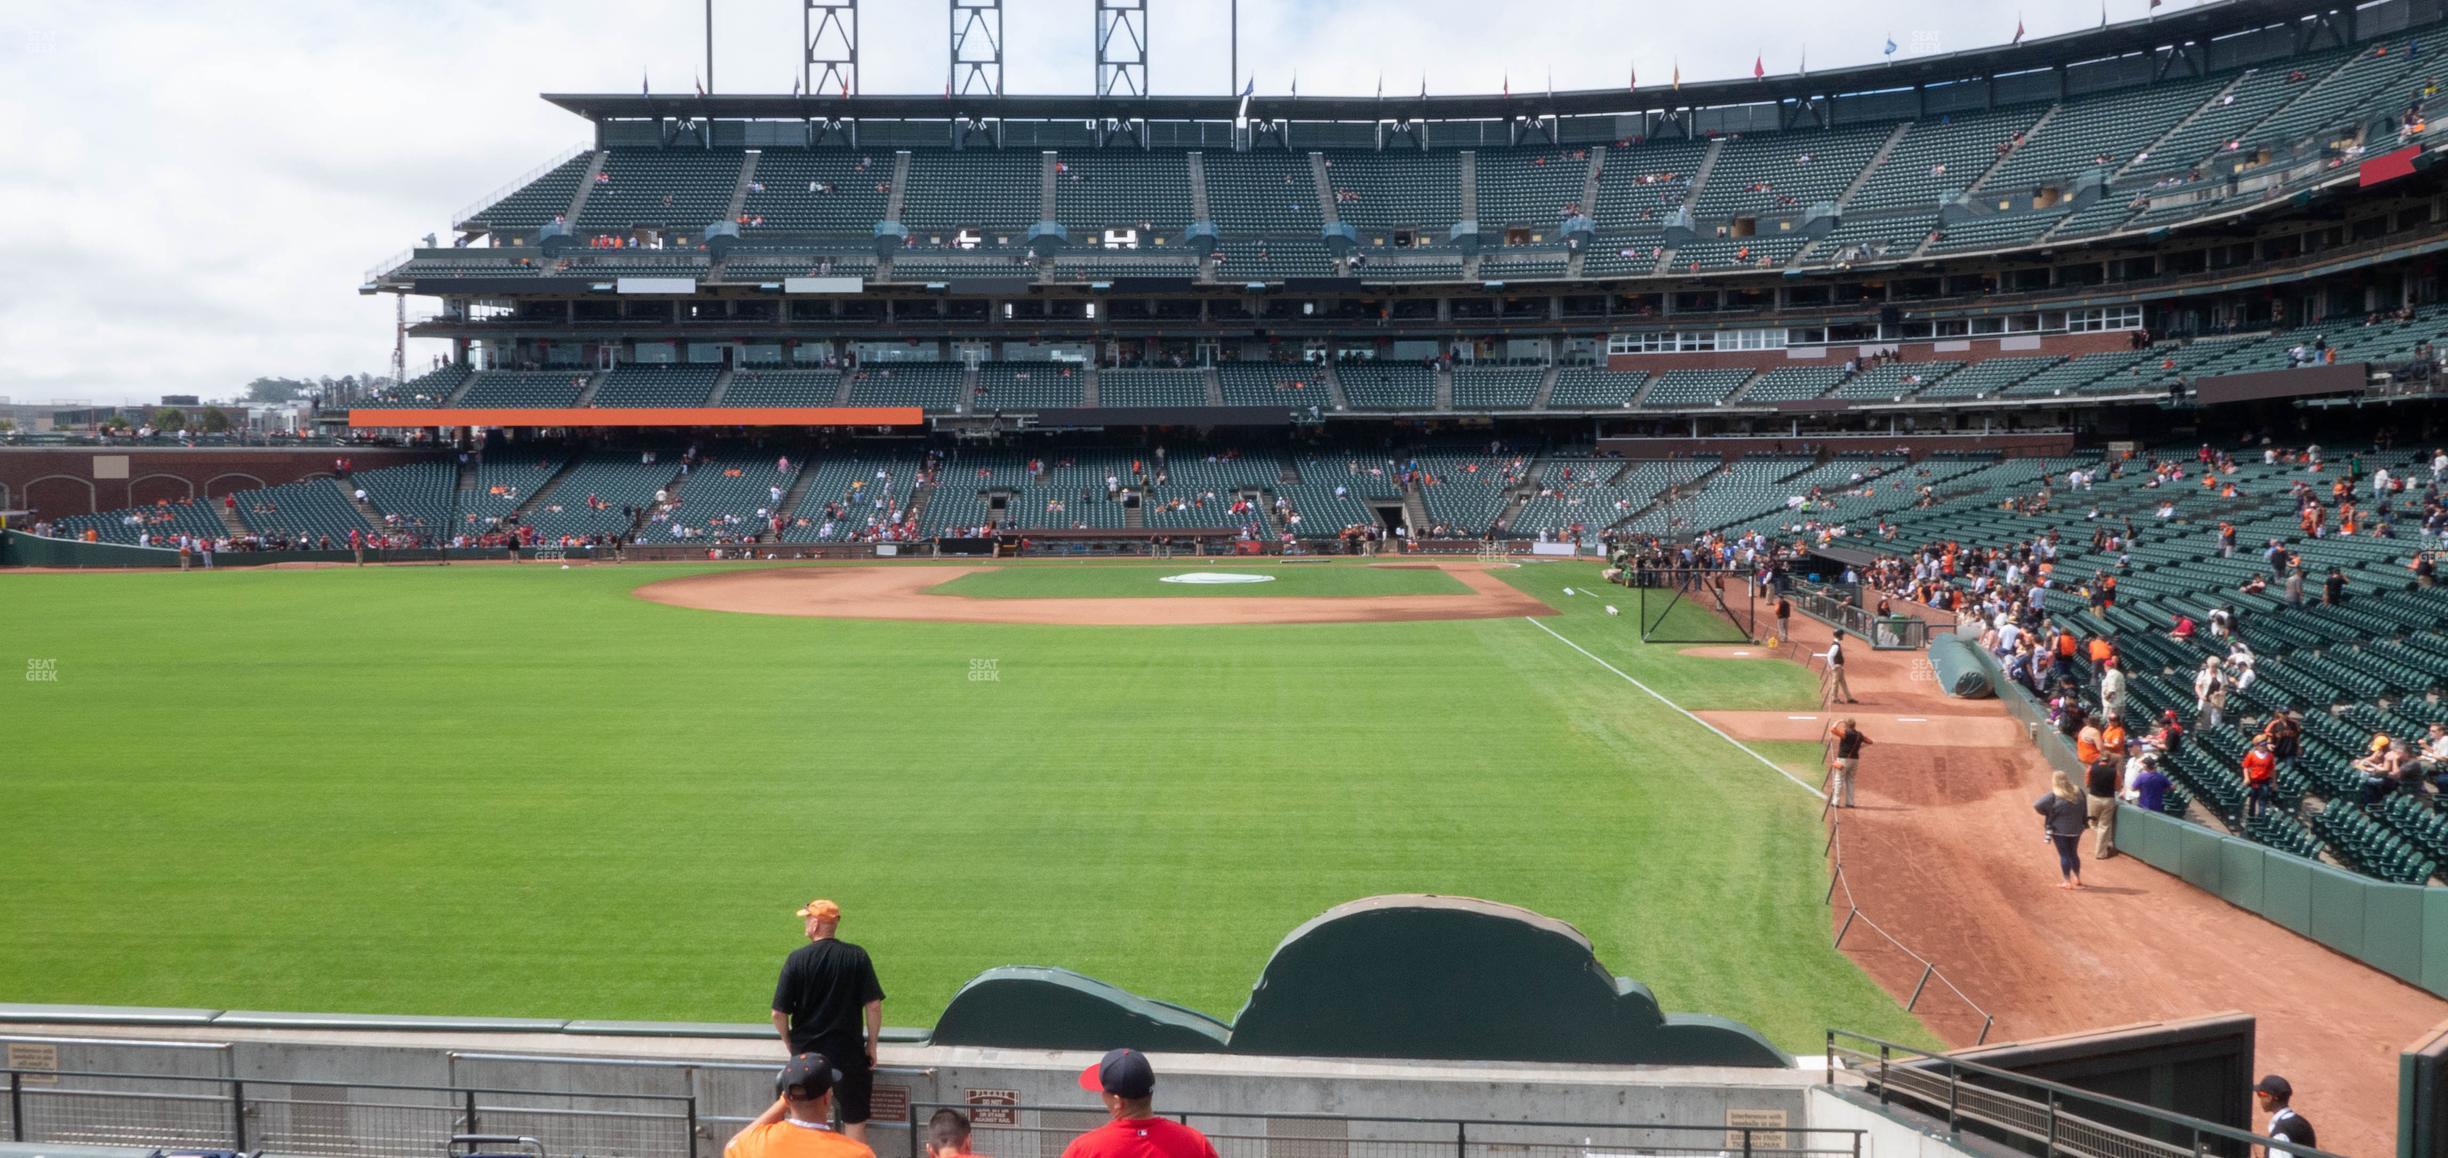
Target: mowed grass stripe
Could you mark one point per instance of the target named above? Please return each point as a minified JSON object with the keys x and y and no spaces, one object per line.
{"x":1297,"y":581}
{"x":521,"y":791}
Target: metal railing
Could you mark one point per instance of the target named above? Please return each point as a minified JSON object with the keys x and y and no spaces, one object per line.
{"x":1926,"y":970}
{"x":1839,"y":606}
{"x":468,"y":212}
{"x":327,"y":1119}
{"x":2032,"y":1114}
{"x":1043,"y":1131}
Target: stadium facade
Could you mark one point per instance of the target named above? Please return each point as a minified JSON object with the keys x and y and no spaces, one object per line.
{"x":2071,"y":231}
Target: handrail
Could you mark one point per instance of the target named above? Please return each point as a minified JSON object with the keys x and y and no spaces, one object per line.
{"x":1719,"y":1138}
{"x":319,"y":1083}
{"x":1853,"y":912}
{"x":1921,"y":1062}
{"x":468,"y":212}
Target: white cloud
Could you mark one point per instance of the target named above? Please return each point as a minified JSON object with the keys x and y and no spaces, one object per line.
{"x":194,"y":191}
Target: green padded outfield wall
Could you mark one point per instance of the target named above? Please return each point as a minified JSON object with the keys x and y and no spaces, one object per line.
{"x":2401,"y":930}
{"x":1412,"y":977}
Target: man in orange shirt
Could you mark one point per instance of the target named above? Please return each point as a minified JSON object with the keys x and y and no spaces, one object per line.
{"x":798,"y":1125}
{"x":2260,"y":777}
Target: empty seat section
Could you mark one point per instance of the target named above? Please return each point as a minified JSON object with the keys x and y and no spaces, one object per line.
{"x":760,"y":387}
{"x":2001,"y":231}
{"x":1387,"y":385}
{"x":1122,"y":188}
{"x":1272,"y":260}
{"x":423,"y":391}
{"x":1378,"y":191}
{"x":1593,"y":388}
{"x":1028,"y":386}
{"x":504,"y":480}
{"x":1791,"y":383}
{"x":657,"y":386}
{"x":1497,"y":388}
{"x":524,"y":389}
{"x":1640,"y":184}
{"x":676,"y":189}
{"x":1764,"y":173}
{"x":1151,"y":388}
{"x":1528,"y":189}
{"x":1273,"y":384}
{"x":934,"y":385}
{"x":819,"y":192}
{"x":2101,"y":132}
{"x":311,"y":510}
{"x":996,"y":191}
{"x":538,"y":202}
{"x":1261,"y":192}
{"x":418,"y":498}
{"x":1522,"y":264}
{"x":1981,"y":379}
{"x":1939,"y":158}
{"x":1679,"y":389}
{"x":1894,"y":380}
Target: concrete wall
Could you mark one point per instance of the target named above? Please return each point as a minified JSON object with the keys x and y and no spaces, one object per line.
{"x":731,"y":1081}
{"x":55,"y":482}
{"x":1886,"y":1137}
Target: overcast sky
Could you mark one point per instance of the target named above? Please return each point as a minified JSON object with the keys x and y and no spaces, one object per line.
{"x":194,"y":190}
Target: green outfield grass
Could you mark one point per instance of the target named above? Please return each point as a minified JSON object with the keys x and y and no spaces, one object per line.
{"x":521,"y":791}
{"x":1299,"y":579}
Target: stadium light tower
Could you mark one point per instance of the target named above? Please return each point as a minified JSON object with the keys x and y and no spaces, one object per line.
{"x":1121,"y":47}
{"x":830,"y":29}
{"x":977,"y":48}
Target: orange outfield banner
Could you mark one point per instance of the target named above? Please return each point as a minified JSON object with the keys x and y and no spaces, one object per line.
{"x":646,"y":416}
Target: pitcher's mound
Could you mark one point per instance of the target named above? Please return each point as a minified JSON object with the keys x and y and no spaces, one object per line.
{"x":901,"y":593}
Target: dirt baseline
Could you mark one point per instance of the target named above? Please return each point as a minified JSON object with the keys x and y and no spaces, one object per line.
{"x":901,"y":593}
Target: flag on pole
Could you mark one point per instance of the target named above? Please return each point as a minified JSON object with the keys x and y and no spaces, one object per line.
{"x":1806,"y":60}
{"x":700,"y":86}
{"x":1631,"y":77}
{"x":1296,"y":83}
{"x":1508,"y":84}
{"x":1759,"y":67}
{"x":1249,"y":87}
{"x":1678,"y":74}
{"x":642,"y":89}
{"x":1891,"y":46}
{"x":2018,"y":36}
{"x":1381,"y":86}
{"x":795,"y":82}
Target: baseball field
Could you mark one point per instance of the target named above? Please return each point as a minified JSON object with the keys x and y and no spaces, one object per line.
{"x":499,"y":790}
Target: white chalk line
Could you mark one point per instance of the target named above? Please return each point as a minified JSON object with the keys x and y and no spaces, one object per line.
{"x":1772,"y":765}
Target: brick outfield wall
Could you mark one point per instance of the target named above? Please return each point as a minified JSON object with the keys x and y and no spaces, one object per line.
{"x":1950,"y":350}
{"x":56,"y":482}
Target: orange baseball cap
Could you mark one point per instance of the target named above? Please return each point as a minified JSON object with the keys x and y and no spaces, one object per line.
{"x":821,"y":909}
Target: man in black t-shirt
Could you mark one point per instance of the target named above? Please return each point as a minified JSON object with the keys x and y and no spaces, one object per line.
{"x":828,"y":1001}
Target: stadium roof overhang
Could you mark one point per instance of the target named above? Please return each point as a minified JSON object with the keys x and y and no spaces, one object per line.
{"x":2192,"y":25}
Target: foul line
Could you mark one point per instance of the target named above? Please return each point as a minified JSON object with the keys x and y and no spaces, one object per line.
{"x":1773,"y":766}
